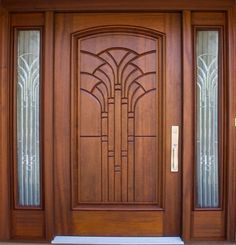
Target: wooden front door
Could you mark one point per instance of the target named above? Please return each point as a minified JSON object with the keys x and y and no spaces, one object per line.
{"x":117,"y":94}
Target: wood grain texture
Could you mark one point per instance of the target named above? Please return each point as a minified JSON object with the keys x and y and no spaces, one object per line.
{"x":231,"y":176}
{"x":121,"y":223}
{"x":4,"y":128}
{"x":104,"y":5}
{"x":92,"y":192}
{"x":208,"y":225}
{"x":27,"y":20}
{"x":48,"y":122}
{"x":27,"y":224}
{"x":65,"y":220}
{"x":188,"y":129}
{"x":172,"y":99}
{"x":117,"y":87}
{"x":61,"y":126}
{"x":208,"y":18}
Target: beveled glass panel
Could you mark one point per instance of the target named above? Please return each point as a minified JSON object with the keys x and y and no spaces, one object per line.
{"x":28,"y":114}
{"x":207,"y":60}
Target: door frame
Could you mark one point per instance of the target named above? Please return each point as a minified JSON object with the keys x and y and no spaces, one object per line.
{"x":9,"y":9}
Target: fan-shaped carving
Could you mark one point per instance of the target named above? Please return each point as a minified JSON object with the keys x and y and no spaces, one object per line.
{"x":118,"y":66}
{"x":118,"y":78}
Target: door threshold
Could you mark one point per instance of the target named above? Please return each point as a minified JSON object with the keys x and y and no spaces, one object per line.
{"x":85,"y":240}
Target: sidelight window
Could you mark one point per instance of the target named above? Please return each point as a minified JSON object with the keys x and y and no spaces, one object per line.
{"x":27,"y":89}
{"x":207,"y":118}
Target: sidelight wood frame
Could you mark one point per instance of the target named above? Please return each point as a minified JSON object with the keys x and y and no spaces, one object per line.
{"x":216,"y":215}
{"x":10,"y":7}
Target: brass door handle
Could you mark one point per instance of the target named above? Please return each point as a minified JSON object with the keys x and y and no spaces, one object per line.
{"x":174,"y":148}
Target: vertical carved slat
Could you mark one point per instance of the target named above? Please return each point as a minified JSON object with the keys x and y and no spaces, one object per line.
{"x":124,"y":177}
{"x":117,"y":142}
{"x":124,"y":124}
{"x":124,"y":149}
{"x":131,"y":159}
{"x":111,"y":149}
{"x":111,"y":125}
{"x":111,"y":176}
{"x":104,"y":158}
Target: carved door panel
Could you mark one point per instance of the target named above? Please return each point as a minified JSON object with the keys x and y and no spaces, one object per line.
{"x":117,"y":93}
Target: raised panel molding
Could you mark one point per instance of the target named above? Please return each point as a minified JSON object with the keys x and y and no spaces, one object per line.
{"x":115,"y":117}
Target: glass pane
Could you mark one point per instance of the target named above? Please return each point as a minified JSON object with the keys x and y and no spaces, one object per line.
{"x":207,"y":56}
{"x":28,"y":112}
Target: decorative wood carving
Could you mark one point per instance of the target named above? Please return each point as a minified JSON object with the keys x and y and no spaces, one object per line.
{"x":116,"y":118}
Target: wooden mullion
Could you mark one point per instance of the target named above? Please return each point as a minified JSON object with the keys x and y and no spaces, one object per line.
{"x":187,"y":125}
{"x":4,"y":127}
{"x":47,"y":103}
{"x":231,"y":152}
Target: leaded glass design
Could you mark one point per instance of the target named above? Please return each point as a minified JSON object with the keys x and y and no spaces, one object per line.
{"x":28,"y":117}
{"x":207,"y":60}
